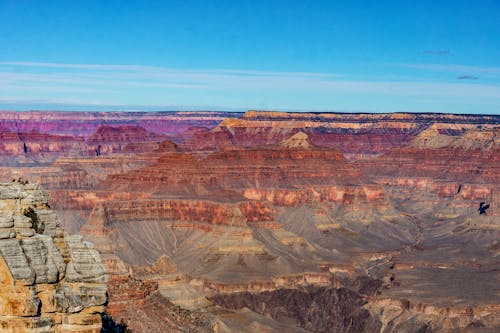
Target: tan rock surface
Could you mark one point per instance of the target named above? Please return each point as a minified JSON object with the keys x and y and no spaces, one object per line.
{"x":49,"y":281}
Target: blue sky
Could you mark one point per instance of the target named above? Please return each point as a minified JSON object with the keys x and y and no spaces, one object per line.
{"x":379,"y":56}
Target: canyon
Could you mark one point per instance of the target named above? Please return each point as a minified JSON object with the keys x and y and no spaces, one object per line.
{"x":252,"y":222}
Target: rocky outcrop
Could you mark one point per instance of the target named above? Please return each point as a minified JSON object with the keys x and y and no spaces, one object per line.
{"x":298,"y":140}
{"x":49,"y":281}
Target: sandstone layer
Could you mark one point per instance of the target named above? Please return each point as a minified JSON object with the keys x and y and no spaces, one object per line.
{"x":49,"y":281}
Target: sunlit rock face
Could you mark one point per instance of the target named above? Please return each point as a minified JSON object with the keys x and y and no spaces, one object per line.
{"x":278,"y":222}
{"x":49,"y":281}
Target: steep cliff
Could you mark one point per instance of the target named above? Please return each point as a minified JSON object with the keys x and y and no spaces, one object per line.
{"x":49,"y":281}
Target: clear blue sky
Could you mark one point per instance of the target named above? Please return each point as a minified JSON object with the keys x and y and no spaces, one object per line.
{"x":428,"y":56}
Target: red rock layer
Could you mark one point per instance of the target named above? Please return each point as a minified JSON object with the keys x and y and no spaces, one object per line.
{"x":238,"y":169}
{"x":185,"y":210}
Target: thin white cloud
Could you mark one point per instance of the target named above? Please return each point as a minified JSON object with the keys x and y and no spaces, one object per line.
{"x":76,"y":66}
{"x":76,"y":104}
{"x":136,"y":85}
{"x":155,"y":77}
{"x":91,"y":80}
{"x":163,"y":70}
{"x":16,"y":87}
{"x":454,"y":68}
{"x":85,"y":79}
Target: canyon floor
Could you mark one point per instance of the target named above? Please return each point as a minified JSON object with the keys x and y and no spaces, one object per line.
{"x":273,"y":221}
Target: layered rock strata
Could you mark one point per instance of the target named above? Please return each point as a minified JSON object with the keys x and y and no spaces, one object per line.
{"x":84,"y":124}
{"x":49,"y":281}
{"x":265,"y":222}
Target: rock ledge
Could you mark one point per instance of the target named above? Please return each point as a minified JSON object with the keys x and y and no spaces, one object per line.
{"x":49,"y":281}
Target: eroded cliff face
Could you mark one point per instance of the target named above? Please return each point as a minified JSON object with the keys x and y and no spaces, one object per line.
{"x":49,"y":281}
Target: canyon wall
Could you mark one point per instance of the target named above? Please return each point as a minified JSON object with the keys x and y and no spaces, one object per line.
{"x":273,"y":222}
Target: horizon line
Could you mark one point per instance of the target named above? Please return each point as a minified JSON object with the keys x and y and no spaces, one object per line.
{"x":256,"y":110}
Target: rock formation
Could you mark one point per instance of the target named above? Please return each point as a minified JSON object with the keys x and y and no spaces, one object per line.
{"x":274,"y":222}
{"x":298,"y":140}
{"x":356,"y":135}
{"x":49,"y":281}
